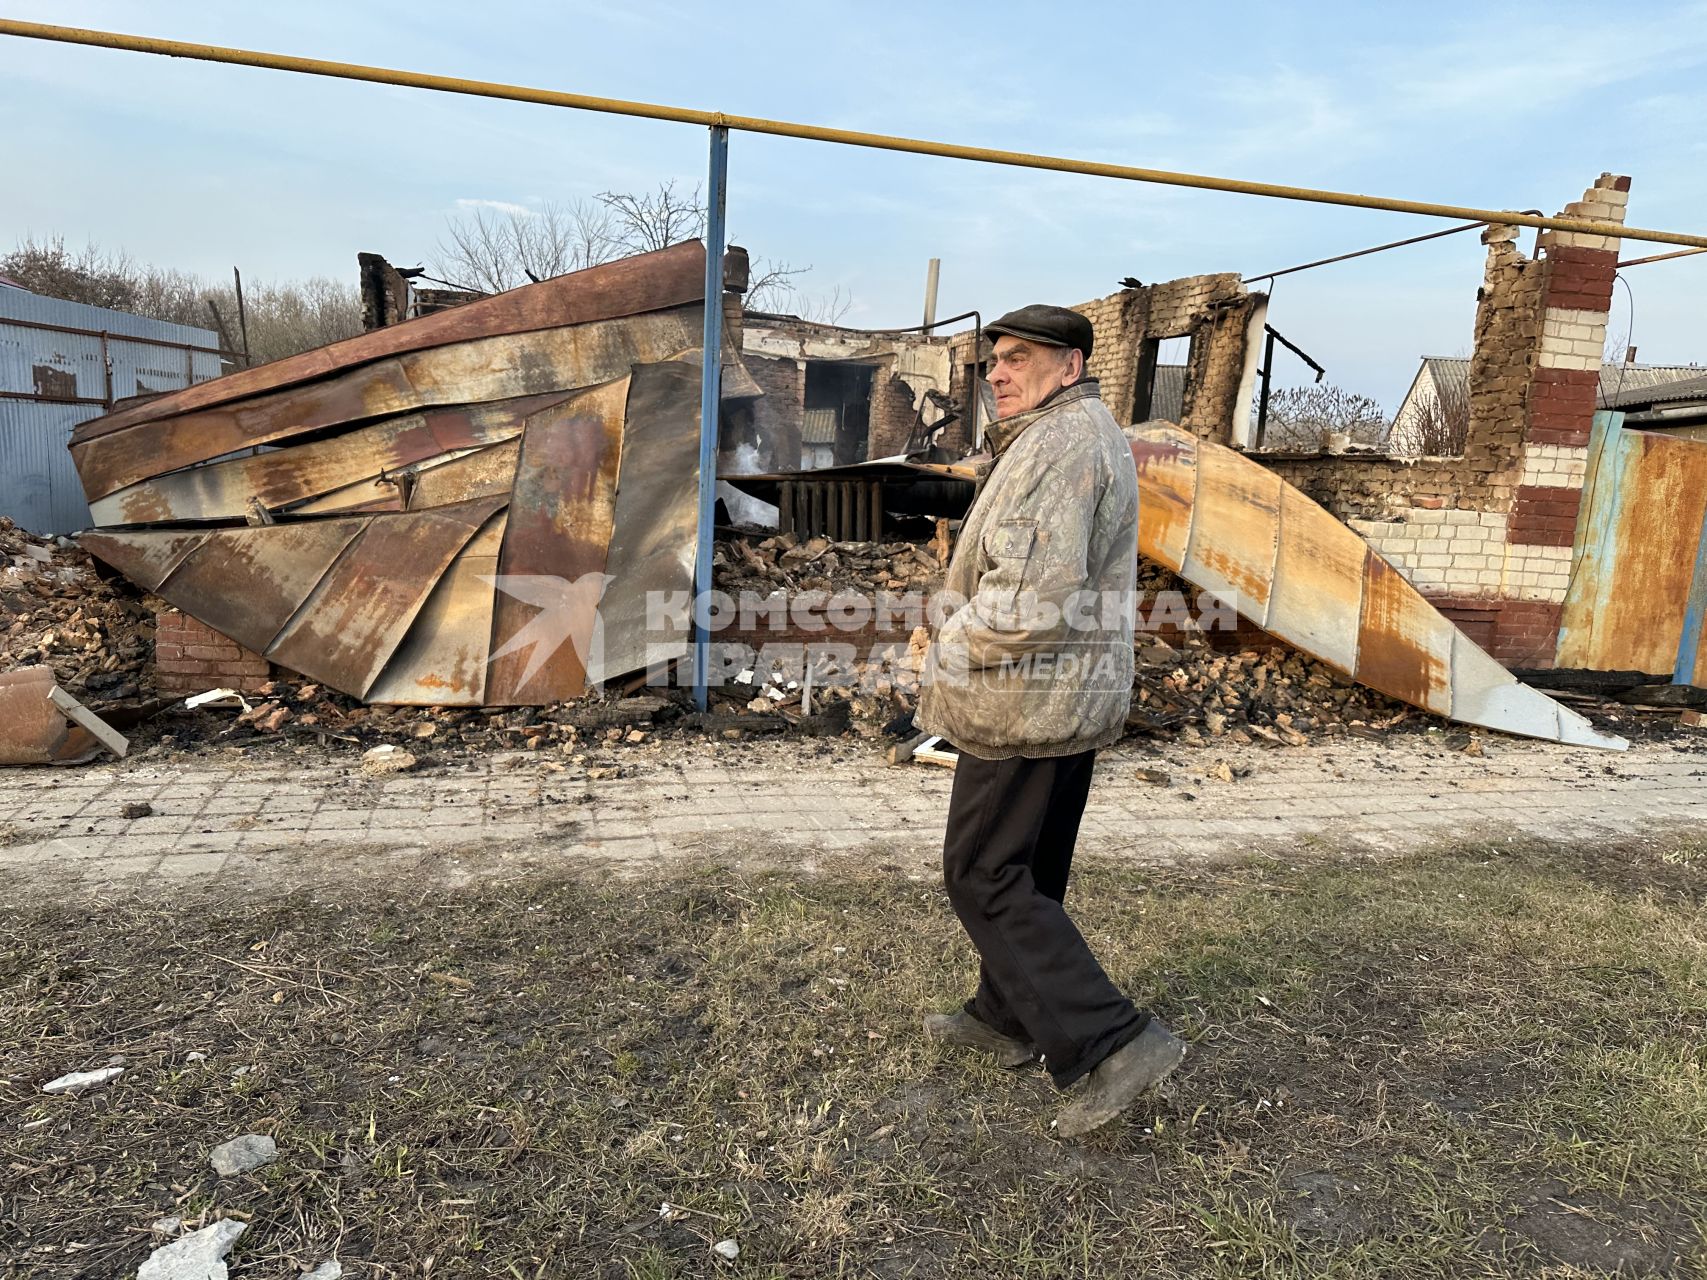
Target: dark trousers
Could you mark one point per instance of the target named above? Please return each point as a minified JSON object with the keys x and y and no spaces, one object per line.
{"x":1012,"y":825}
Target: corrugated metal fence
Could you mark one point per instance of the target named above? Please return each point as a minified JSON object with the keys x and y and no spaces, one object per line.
{"x":62,"y":363}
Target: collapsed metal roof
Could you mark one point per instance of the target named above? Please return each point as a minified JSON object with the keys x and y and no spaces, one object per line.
{"x":393,"y":515}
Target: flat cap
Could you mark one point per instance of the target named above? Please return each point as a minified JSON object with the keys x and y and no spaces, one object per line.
{"x":1052,"y":326}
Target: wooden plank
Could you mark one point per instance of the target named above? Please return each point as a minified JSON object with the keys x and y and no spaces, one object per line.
{"x":441,"y":662}
{"x":247,"y":583}
{"x":350,"y":625}
{"x":97,"y":728}
{"x":551,"y":565}
{"x":632,"y":286}
{"x":282,"y":477}
{"x":655,"y":522}
{"x":499,"y":368}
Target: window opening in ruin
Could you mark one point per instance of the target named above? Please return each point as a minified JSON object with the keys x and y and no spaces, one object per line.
{"x":1168,"y":382}
{"x":835,"y":426}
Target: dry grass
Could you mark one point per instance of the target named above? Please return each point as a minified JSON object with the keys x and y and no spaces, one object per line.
{"x":1480,"y":1062}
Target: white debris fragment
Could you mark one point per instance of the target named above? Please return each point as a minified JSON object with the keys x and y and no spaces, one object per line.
{"x":330,"y":1270}
{"x":195,"y":1055}
{"x":379,"y":761}
{"x":77,"y":1081}
{"x":197,"y":1256}
{"x":728,"y":1250}
{"x":216,"y":698}
{"x":166,"y":1226}
{"x":243,"y":1154}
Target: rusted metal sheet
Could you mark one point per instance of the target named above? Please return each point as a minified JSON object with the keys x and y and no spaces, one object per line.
{"x":473,"y":475}
{"x":359,"y":612}
{"x":279,"y":478}
{"x":551,"y":565}
{"x":249,"y":582}
{"x":655,"y":524}
{"x":1323,"y":590}
{"x":32,"y":729}
{"x":481,"y":369}
{"x":1637,"y":555}
{"x":146,"y":559}
{"x":1236,"y":531}
{"x":390,"y":568}
{"x":442,"y":660}
{"x":647,"y":282}
{"x":1167,"y":475}
{"x":1404,"y":645}
{"x":1318,"y":580}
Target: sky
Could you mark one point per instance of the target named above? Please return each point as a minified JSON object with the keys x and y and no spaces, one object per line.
{"x":1510,"y":106}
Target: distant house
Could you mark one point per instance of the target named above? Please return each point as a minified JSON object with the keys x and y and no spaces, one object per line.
{"x":1438,"y":402}
{"x":1678,"y":407}
{"x":62,"y":363}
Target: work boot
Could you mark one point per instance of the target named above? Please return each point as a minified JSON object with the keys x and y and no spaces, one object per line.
{"x":969,"y":1032}
{"x":1115,"y":1083}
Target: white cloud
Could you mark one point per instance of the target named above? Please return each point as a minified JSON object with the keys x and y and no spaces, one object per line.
{"x":497,"y":206}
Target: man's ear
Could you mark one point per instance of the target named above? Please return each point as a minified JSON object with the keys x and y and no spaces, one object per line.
{"x":1075,"y":366}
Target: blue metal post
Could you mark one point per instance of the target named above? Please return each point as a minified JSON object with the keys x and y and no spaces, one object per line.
{"x":710,"y":394}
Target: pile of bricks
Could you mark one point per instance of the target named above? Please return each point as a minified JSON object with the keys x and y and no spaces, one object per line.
{"x":190,"y":657}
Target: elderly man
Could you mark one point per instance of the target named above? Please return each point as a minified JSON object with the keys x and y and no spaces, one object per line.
{"x":1029,"y":678}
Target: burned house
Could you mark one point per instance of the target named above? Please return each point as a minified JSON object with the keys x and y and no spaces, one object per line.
{"x":477,"y":505}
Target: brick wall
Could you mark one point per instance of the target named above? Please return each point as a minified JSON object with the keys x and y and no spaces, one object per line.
{"x":190,"y":657}
{"x":892,"y":414}
{"x":1214,"y":311}
{"x":775,"y":419}
{"x":1487,"y":536}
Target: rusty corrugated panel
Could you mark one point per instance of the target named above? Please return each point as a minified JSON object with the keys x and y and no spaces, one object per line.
{"x":1638,"y":543}
{"x":551,"y":565}
{"x":145,"y":559}
{"x":1325,"y":590}
{"x":359,"y":612}
{"x":248,"y":582}
{"x":647,"y":282}
{"x":655,"y":527}
{"x":498,"y":368}
{"x":280,"y":477}
{"x":442,"y":660}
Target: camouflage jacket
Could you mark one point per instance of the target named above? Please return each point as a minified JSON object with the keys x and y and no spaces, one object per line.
{"x":1038,"y":660}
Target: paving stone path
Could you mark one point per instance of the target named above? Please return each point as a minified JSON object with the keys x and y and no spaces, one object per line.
{"x":254,"y":819}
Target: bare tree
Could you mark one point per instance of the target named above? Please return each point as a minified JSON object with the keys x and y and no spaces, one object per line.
{"x":283,"y":318}
{"x":654,"y":219}
{"x":491,"y":250}
{"x":1301,"y":418}
{"x":1438,"y":424}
